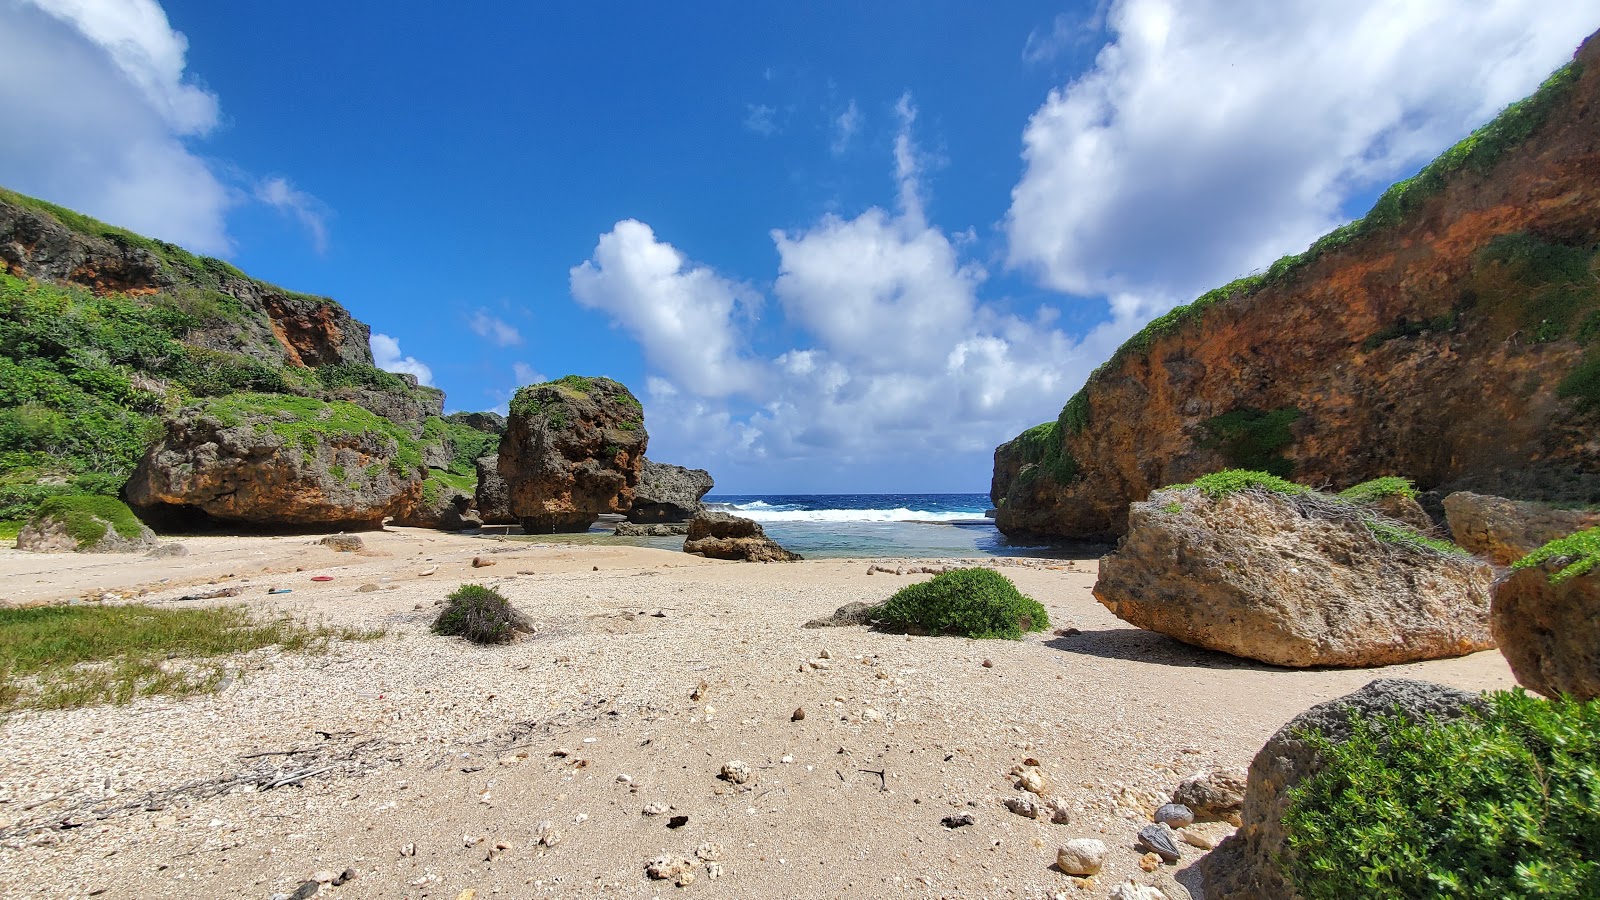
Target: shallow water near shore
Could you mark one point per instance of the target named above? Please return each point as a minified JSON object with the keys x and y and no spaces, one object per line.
{"x":829,"y":526}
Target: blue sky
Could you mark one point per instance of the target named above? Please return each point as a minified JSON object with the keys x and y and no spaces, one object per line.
{"x":833,"y":247}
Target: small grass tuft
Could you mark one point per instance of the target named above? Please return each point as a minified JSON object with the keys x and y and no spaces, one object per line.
{"x":1500,"y":803}
{"x":974,"y":603}
{"x":9,"y":529}
{"x":1379,"y":488}
{"x":63,"y":657}
{"x":1232,"y":481}
{"x":1573,"y":555}
{"x":1405,"y":536}
{"x":480,"y":614}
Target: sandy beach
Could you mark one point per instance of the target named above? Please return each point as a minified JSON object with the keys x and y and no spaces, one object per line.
{"x":431,"y":767}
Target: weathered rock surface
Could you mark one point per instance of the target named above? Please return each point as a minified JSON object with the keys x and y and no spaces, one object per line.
{"x":1505,"y":531}
{"x":1413,"y":344}
{"x":720,"y":535}
{"x":668,"y":493}
{"x":1403,"y":509}
{"x":486,"y":422}
{"x":1215,"y":796}
{"x":440,"y":506}
{"x":493,"y":496}
{"x":1550,"y":633}
{"x":572,"y":451}
{"x":49,"y":534}
{"x":857,"y":613}
{"x":1248,"y":865}
{"x":338,"y":467}
{"x":1290,"y":582}
{"x":629,"y":529}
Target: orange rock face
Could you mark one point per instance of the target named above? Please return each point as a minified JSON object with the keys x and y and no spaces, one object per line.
{"x":572,"y":450}
{"x":1446,"y":347}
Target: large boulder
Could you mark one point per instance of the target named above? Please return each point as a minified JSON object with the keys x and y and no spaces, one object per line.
{"x":276,"y":460}
{"x":493,"y":497}
{"x":719,"y":535}
{"x":1547,"y":624}
{"x":1293,"y":580}
{"x":439,"y":505}
{"x":571,"y":452}
{"x":1250,"y":864}
{"x":1505,"y":531}
{"x":85,"y":524}
{"x":668,"y":493}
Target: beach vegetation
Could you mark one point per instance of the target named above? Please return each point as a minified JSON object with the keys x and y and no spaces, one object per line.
{"x":480,"y":614}
{"x":1379,"y":488}
{"x":87,"y":517}
{"x":1400,"y":535}
{"x":1232,"y":481}
{"x":62,"y":657}
{"x":1253,"y":439}
{"x":1571,"y":556}
{"x":308,"y":423}
{"x":1044,"y":452}
{"x":1499,"y":803}
{"x":974,"y":603}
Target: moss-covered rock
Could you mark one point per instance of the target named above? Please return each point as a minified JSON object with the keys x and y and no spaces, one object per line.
{"x":572,"y":450}
{"x":85,"y":524}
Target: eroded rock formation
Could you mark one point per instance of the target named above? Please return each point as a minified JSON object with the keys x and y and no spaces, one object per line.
{"x":572,"y":451}
{"x":668,"y":493}
{"x":719,"y":535}
{"x":1441,"y":338}
{"x":1504,"y":531}
{"x":1293,"y":581}
{"x":1548,"y":627}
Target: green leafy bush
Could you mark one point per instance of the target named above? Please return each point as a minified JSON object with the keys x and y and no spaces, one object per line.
{"x":975,"y":603}
{"x":1252,"y":439}
{"x":86,"y":517}
{"x":1379,"y":488}
{"x":481,"y":615}
{"x":1502,"y":803}
{"x":1232,"y":481}
{"x":1044,"y":452}
{"x":1573,"y":555}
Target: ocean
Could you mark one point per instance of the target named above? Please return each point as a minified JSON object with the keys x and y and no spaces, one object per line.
{"x":820,"y":526}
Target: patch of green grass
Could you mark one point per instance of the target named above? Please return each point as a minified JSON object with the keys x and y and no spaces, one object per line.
{"x":1044,"y":452}
{"x":306,"y":422}
{"x":1233,"y":481}
{"x":1173,"y":507}
{"x":1075,"y":414}
{"x":480,"y":614}
{"x":1399,"y":330}
{"x":1410,"y":538}
{"x":467,"y":483}
{"x":974,"y":603}
{"x":86,"y":517}
{"x":9,"y":529}
{"x":1379,"y":488}
{"x":1573,"y":555}
{"x":1251,"y":439}
{"x":62,"y":657}
{"x":1503,"y":803}
{"x":1583,"y":384}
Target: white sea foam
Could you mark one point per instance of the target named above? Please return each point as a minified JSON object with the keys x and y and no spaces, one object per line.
{"x":761,"y":512}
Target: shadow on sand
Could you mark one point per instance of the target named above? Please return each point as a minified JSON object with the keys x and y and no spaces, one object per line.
{"x":1138,"y":645}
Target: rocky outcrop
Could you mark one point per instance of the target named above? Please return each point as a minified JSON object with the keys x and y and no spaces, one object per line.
{"x":486,"y":422}
{"x":438,"y":505}
{"x":280,"y":461}
{"x":51,"y":244}
{"x":1505,"y":531}
{"x":667,"y":493}
{"x":660,"y":529}
{"x":1292,"y":580}
{"x":1452,"y":312}
{"x":1549,"y":630}
{"x":1250,"y":865}
{"x":571,"y":452}
{"x":493,"y":496}
{"x":719,"y":535}
{"x":85,"y":524}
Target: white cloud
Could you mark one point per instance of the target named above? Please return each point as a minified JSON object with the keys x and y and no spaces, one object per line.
{"x":494,"y":329}
{"x":282,"y":195}
{"x":386,"y":356}
{"x":96,"y":105}
{"x":1211,"y":137}
{"x":759,"y":119}
{"x":527,"y":374}
{"x":845,"y":127}
{"x":681,"y":313}
{"x":1065,"y":33}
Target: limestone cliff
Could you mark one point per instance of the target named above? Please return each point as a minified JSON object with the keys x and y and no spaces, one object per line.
{"x":1451,"y":336}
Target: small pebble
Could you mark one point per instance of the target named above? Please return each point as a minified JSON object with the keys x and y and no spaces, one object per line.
{"x":798,"y":715}
{"x":1158,"y":839}
{"x":735,"y":772}
{"x":1174,"y":815}
{"x":958,"y":821}
{"x":654,"y":809}
{"x":1082,"y":857}
{"x":988,"y":664}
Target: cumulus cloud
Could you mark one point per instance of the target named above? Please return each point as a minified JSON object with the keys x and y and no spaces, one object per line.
{"x":494,"y":329}
{"x":1211,"y":137}
{"x":386,"y":355}
{"x":96,"y":105}
{"x":282,"y":195}
{"x":527,"y":374}
{"x":845,"y":127}
{"x":684,"y":315}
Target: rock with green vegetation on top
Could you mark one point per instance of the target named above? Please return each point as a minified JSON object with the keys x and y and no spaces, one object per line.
{"x":1546,"y":617}
{"x":1504,"y":531}
{"x":85,"y":524}
{"x":572,"y":451}
{"x":275,"y":460}
{"x":1253,"y":565}
{"x":444,"y":503}
{"x":1393,"y":497}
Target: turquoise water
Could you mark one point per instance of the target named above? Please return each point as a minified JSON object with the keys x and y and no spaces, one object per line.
{"x":820,"y":526}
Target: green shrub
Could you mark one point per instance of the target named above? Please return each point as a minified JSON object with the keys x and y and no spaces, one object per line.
{"x":1573,"y":555}
{"x":1391,"y":532}
{"x":1251,"y":438}
{"x":1379,"y":488}
{"x":974,"y":603}
{"x":1232,"y":481}
{"x":86,"y":516}
{"x":1044,"y":452}
{"x":481,"y":615}
{"x":1502,"y":803}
